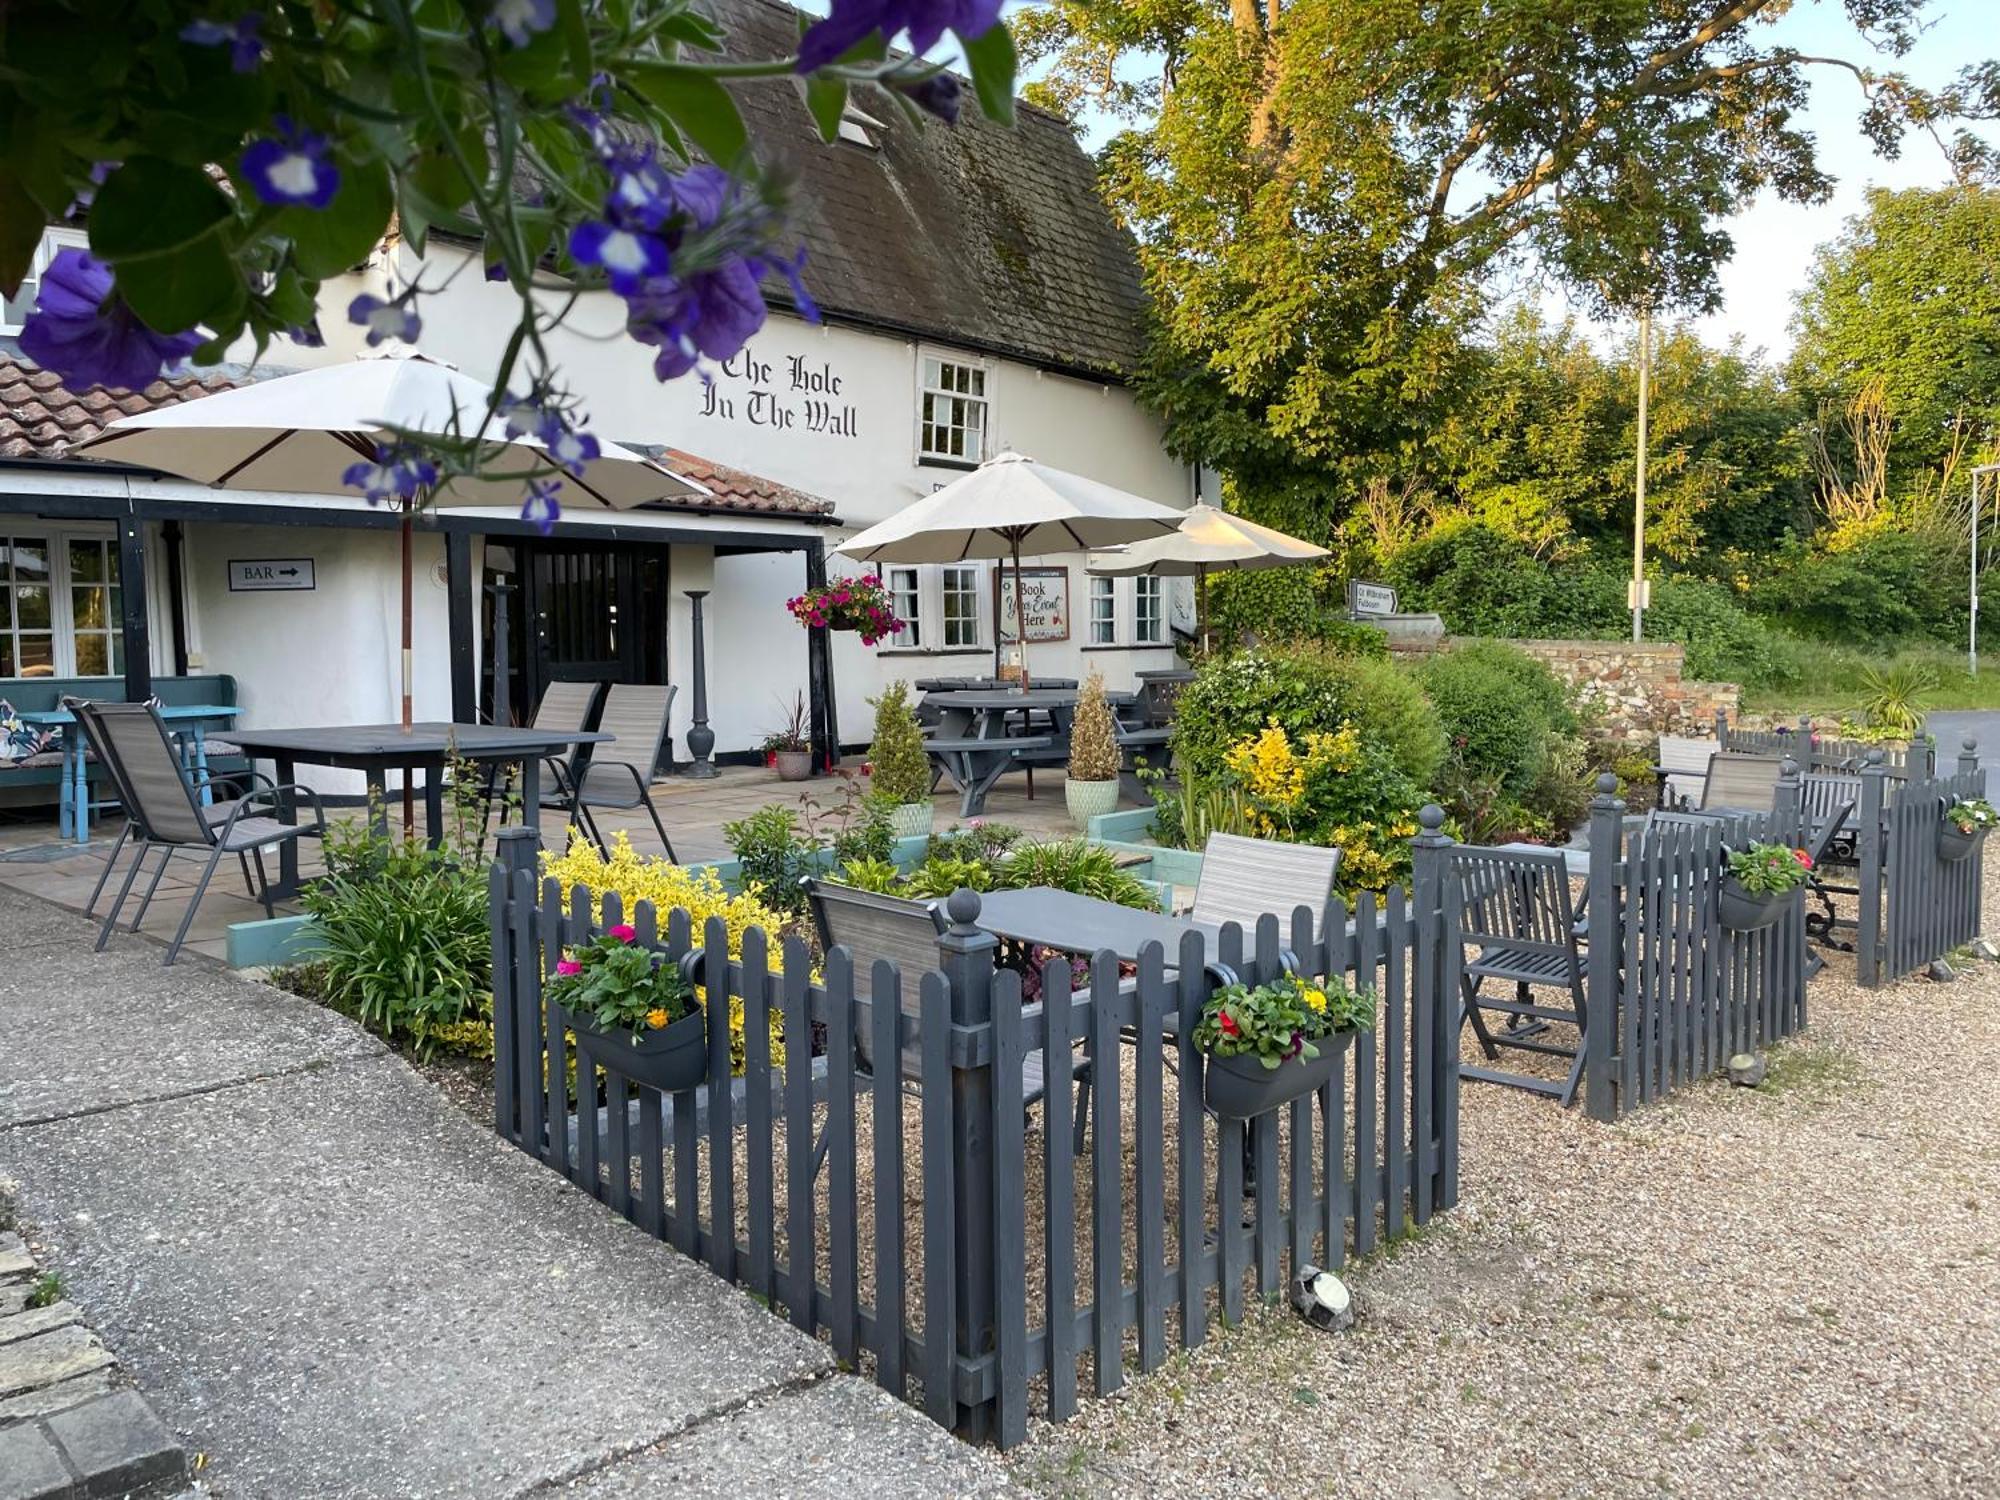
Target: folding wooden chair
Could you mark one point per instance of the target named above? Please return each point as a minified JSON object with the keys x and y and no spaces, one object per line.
{"x":1515,"y":905}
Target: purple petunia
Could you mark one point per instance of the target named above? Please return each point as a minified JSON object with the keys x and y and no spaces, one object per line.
{"x":385,"y":320}
{"x":295,"y":166}
{"x":628,"y":257}
{"x":243,"y":37}
{"x":83,"y":331}
{"x":521,"y":21}
{"x":541,"y":508}
{"x":569,"y":448}
{"x":709,"y":314}
{"x":394,"y":474}
{"x":851,"y":21}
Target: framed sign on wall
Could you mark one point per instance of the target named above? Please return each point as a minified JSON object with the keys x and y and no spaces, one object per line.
{"x":1045,"y":600}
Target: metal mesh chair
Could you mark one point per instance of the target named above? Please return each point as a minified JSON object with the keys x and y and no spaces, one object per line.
{"x":1740,"y":783}
{"x":565,"y":707}
{"x":618,"y":773}
{"x":164,"y":807}
{"x":1242,"y":878}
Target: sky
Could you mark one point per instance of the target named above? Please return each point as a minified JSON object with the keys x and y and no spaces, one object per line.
{"x":1775,"y":240}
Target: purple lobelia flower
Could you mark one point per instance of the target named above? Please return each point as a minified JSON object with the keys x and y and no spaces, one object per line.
{"x":522,"y":415}
{"x":541,"y":508}
{"x":521,"y":21}
{"x":395,"y":474}
{"x":294,"y":166}
{"x":570,"y":448}
{"x":629,"y":257}
{"x":243,"y":37}
{"x":852,"y":21}
{"x":385,"y":320}
{"x":709,"y":314}
{"x":83,"y":331}
{"x":642,"y":195}
{"x":937,"y":95}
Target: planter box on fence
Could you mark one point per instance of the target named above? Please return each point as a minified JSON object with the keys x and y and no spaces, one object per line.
{"x":671,"y":1059}
{"x":1243,"y":1088}
{"x":1745,"y":910}
{"x":1952,"y":845}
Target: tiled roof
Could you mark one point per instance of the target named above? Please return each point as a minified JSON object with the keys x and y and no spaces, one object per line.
{"x":40,"y":419}
{"x":733,"y":489}
{"x":972,"y":232}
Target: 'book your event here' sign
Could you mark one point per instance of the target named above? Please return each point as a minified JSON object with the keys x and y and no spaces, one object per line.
{"x":1045,"y":599}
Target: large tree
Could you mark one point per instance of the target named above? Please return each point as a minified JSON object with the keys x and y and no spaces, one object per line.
{"x":1324,"y":190}
{"x":1908,"y":298}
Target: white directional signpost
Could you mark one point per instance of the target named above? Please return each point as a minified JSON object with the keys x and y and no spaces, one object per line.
{"x":269,"y":575}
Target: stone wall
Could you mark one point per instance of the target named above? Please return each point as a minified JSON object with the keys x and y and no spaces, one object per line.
{"x":1637,"y":690}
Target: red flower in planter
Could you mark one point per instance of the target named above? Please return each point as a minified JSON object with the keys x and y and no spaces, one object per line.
{"x":567,"y":967}
{"x":1803,"y":858}
{"x":623,"y":933}
{"x":1228,"y":1023}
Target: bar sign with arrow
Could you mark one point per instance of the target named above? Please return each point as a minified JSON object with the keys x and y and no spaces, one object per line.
{"x":265,"y":575}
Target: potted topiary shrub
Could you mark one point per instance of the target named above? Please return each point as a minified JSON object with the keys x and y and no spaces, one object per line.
{"x":1091,"y":788}
{"x":789,"y":749}
{"x":1965,"y":826}
{"x":900,"y":771}
{"x":1760,"y":881}
{"x":632,"y":1010}
{"x":1267,"y":1046}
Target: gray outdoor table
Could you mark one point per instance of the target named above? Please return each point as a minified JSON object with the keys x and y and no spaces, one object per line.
{"x":1051,"y":918}
{"x":973,"y":745}
{"x":377,"y":749}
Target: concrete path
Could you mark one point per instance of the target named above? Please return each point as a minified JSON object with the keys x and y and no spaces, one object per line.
{"x":333,"y":1283}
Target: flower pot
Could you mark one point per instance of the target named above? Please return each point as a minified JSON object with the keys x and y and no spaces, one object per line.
{"x":1089,"y":799}
{"x":793,"y":765}
{"x":1952,"y":846}
{"x":673,"y":1058}
{"x":910,"y":820}
{"x":1749,"y":911}
{"x":1242,"y":1087}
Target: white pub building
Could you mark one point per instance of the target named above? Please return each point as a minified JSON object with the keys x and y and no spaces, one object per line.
{"x":976,"y":298}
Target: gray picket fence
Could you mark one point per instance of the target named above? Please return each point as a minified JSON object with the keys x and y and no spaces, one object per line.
{"x":944,"y":1232}
{"x":1915,"y":905}
{"x":1821,"y":752}
{"x":1672,"y":993}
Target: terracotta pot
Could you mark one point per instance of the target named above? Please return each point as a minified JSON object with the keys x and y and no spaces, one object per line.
{"x":793,"y":765}
{"x":671,"y":1059}
{"x":910,"y":820}
{"x":1242,"y":1087}
{"x":1089,"y":799}
{"x":1749,"y":911}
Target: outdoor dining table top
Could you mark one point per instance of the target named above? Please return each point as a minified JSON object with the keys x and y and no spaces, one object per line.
{"x":1003,"y":698}
{"x":1072,"y":923}
{"x":335,"y":744}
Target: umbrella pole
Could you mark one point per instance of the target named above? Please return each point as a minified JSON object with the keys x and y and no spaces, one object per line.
{"x":409,"y":796}
{"x":1020,"y":617}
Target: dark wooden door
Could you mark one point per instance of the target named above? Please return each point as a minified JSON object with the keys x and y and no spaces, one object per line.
{"x":593,"y":614}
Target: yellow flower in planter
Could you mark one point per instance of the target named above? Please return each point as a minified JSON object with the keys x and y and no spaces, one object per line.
{"x":635,"y":877}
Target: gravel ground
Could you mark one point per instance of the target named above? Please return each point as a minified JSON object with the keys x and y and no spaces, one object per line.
{"x":1790,"y":1291}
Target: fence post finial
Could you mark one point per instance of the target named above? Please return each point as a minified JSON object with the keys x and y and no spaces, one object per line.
{"x":514,"y":848}
{"x":1721,"y":724}
{"x":1968,"y":757}
{"x":967,"y":955}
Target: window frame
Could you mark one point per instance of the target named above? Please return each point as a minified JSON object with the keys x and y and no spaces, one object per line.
{"x":945,"y":359}
{"x":1102,"y":590}
{"x":1156,"y":587}
{"x":977,"y":593}
{"x":62,"y":583}
{"x":912,"y":637}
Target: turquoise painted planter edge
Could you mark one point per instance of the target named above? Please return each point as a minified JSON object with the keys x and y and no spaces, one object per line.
{"x":907,"y":854}
{"x":266,"y":944}
{"x":1131,"y":825}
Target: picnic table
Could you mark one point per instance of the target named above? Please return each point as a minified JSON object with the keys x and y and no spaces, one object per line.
{"x":978,"y":740}
{"x":189,"y":721}
{"x":377,"y":749}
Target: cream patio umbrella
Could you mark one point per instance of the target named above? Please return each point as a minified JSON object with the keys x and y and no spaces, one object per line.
{"x":300,"y":433}
{"x":1209,"y":540}
{"x":1009,"y":507}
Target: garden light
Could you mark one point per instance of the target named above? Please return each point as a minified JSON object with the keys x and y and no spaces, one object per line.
{"x":1322,"y":1299}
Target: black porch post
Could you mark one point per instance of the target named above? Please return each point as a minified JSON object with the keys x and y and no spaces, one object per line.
{"x":503,"y":707}
{"x":700,"y":738}
{"x":819,"y":673}
{"x":138,"y":643}
{"x":460,"y":613}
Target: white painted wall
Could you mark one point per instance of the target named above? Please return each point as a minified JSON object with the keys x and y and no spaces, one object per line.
{"x":324,"y":656}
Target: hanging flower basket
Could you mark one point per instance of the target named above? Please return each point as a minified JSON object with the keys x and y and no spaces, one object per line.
{"x":671,"y":1059}
{"x":1955,"y":844}
{"x":1243,"y":1088}
{"x":859,"y":604}
{"x":1966,"y":823}
{"x":1745,"y":910}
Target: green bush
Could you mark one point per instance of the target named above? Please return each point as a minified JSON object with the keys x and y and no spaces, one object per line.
{"x":902,"y":772}
{"x":1302,"y":689}
{"x":1076,"y":866}
{"x":404,"y":941}
{"x":1497,"y":711}
{"x":775,"y":855}
{"x":1887,"y":586}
